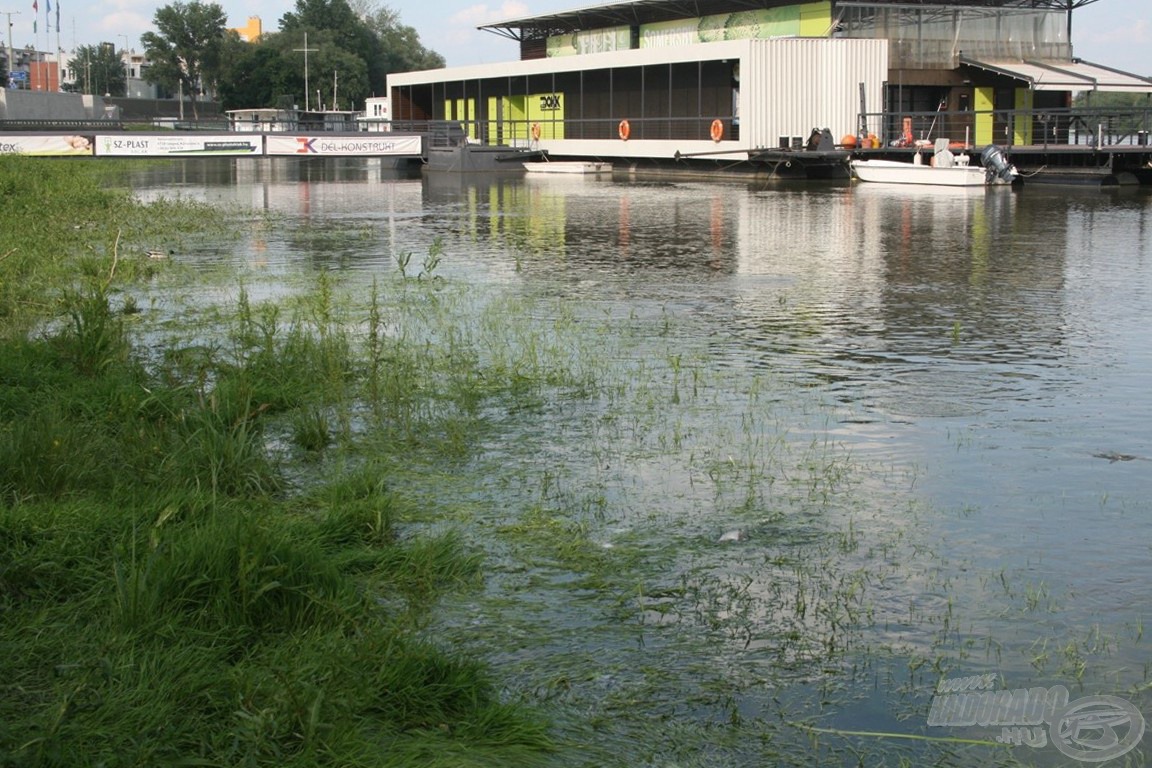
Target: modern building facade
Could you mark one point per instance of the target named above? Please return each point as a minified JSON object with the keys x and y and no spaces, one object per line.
{"x":725,"y":78}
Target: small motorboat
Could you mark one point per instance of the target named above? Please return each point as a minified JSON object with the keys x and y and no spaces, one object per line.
{"x":944,"y":170}
{"x":577,"y":167}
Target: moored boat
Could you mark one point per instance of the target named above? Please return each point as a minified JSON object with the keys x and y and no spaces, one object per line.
{"x":894,"y":172}
{"x":944,"y":170}
{"x":576,"y":167}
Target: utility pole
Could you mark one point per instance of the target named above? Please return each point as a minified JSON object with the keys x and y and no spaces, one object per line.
{"x":10,"y":14}
{"x":305,"y":49}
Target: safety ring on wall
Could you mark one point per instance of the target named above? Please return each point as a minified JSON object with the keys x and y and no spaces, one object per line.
{"x":717,"y":130}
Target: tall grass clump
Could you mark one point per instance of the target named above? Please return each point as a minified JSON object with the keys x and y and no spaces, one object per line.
{"x":170,"y":592}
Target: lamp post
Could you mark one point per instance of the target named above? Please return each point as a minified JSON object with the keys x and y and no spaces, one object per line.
{"x":127,"y":66}
{"x":10,"y":14}
{"x":128,"y":70}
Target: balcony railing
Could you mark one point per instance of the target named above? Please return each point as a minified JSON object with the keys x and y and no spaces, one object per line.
{"x":523,"y":133}
{"x":1075,"y":126}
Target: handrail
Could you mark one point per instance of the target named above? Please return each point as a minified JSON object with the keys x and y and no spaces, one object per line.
{"x":530,"y":132}
{"x":1059,"y":126}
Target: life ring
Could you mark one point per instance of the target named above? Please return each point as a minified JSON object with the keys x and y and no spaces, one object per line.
{"x":717,"y":130}
{"x":536,"y":131}
{"x":624,"y":130}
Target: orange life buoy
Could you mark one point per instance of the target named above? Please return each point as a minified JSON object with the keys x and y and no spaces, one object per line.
{"x":624,"y":130}
{"x":717,"y":130}
{"x":536,"y":131}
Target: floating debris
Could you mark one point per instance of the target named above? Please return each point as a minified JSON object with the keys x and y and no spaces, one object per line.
{"x":1115,"y":457}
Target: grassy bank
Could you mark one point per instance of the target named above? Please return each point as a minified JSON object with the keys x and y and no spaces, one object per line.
{"x":197,"y":567}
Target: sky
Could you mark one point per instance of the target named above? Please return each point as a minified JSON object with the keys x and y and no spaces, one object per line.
{"x":1116,"y":33}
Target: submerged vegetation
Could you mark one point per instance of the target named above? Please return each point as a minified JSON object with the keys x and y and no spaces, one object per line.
{"x":168,"y":593}
{"x":397,"y":519}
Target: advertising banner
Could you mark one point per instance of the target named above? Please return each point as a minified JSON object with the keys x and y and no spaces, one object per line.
{"x":367,"y":145}
{"x":40,"y":144}
{"x":806,"y":20}
{"x":590,"y":41}
{"x":151,"y":145}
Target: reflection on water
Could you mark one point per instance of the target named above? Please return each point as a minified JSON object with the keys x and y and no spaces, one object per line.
{"x":988,"y":346}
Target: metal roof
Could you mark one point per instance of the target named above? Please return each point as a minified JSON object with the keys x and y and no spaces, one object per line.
{"x":1075,"y":75}
{"x":636,"y":12}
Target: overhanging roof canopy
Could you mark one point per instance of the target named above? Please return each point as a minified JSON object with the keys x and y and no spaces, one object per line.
{"x":636,"y":12}
{"x":633,"y":12}
{"x":1075,"y":75}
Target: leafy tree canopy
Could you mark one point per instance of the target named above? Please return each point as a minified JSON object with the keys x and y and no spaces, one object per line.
{"x":351,"y":50}
{"x":345,"y":30}
{"x":99,"y":69}
{"x":186,"y":50}
{"x":1111,"y":100}
{"x":403,"y":50}
{"x":271,"y":74}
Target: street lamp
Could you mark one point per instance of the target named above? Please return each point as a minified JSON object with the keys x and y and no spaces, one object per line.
{"x":10,"y":14}
{"x":127,"y":66}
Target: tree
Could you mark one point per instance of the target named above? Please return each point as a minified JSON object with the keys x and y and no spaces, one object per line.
{"x":352,"y":46}
{"x":186,"y":51}
{"x":347,"y":33}
{"x":256,"y":74}
{"x":271,"y":73}
{"x":400,"y":44}
{"x":99,"y":69}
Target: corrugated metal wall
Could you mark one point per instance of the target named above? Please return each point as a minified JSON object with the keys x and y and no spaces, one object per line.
{"x":790,"y":86}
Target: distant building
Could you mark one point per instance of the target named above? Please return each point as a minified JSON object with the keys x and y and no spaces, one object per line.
{"x":290,"y":120}
{"x":32,"y":70}
{"x":251,"y":31}
{"x":663,"y":79}
{"x":44,"y":73}
{"x":377,"y":115}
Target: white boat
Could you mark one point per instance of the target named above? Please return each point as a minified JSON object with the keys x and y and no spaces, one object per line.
{"x":893,"y":172}
{"x":568,"y":167}
{"x":944,"y":170}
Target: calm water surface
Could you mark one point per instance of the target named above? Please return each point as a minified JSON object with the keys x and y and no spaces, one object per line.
{"x":923,"y":415}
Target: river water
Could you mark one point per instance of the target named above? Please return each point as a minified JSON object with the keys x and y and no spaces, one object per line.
{"x":843,"y":442}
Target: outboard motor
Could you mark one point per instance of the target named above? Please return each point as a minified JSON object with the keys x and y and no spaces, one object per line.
{"x":996,"y":165}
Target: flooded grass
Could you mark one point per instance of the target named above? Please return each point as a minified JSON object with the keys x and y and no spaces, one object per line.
{"x":186,"y":576}
{"x":416,"y":520}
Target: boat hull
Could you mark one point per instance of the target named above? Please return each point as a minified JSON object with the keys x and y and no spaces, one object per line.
{"x":568,"y":168}
{"x":893,"y":172}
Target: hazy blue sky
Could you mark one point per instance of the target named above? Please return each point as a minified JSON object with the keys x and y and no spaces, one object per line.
{"x":1113,"y":32}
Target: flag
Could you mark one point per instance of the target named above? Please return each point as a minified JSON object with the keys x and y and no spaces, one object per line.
{"x":47,"y":21}
{"x":57,"y":16}
{"x":36,"y":6}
